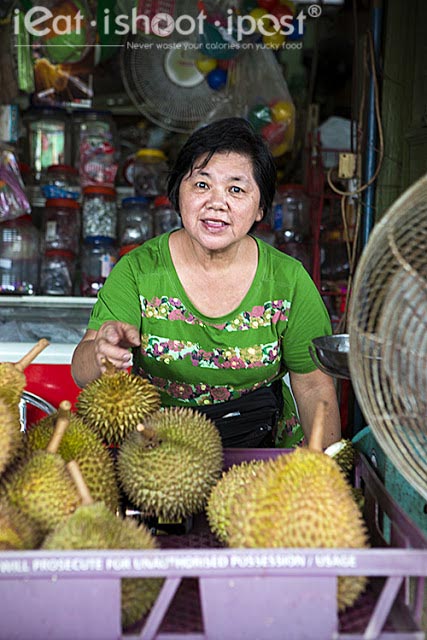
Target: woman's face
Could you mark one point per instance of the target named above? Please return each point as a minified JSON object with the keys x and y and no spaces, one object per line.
{"x":220,"y":202}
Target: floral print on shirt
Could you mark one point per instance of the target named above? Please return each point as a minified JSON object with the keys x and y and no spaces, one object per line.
{"x":166,"y":308}
{"x":199,"y":394}
{"x":167,"y":351}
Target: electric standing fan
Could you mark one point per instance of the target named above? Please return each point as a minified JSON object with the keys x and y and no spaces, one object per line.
{"x":388,"y":334}
{"x":161,"y":77}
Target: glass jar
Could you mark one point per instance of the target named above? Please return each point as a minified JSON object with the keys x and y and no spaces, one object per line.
{"x":57,"y":273}
{"x":263,"y":231}
{"x":99,"y":212}
{"x":99,"y":255}
{"x":300,"y":251}
{"x":19,"y":256}
{"x":150,"y":173}
{"x":95,"y":126}
{"x":95,"y":152}
{"x":60,"y":181}
{"x":61,"y":225}
{"x":135,"y":221}
{"x":48,"y":135}
{"x":165,"y":217}
{"x":292,"y":213}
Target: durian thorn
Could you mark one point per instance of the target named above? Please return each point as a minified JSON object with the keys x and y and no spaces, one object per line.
{"x":110,"y":369}
{"x":61,"y":425}
{"x":149,"y":434}
{"x":26,"y":360}
{"x":64,"y":409}
{"x":79,"y":481}
{"x":318,"y":428}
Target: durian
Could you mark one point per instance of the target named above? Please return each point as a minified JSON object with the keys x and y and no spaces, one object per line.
{"x":231,"y":486}
{"x":114,"y":404}
{"x":17,"y":531}
{"x":301,"y":499}
{"x":81,"y":444}
{"x":12,"y":378}
{"x":344,"y":454}
{"x":169,"y":466}
{"x":92,"y":526}
{"x":41,"y":487}
{"x":11,"y":441}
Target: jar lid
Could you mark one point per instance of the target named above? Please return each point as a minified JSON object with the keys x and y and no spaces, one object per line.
{"x":106,"y":191}
{"x":126,"y":202}
{"x":99,"y":240}
{"x":25,"y":219}
{"x":51,"y":253}
{"x":126,"y":248}
{"x":153,"y":153}
{"x":66,"y":168}
{"x":69,"y":203}
{"x":162,"y":201}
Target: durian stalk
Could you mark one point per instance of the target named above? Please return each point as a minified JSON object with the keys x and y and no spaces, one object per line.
{"x":318,"y":428}
{"x":41,"y":487}
{"x":79,"y":481}
{"x":26,"y":360}
{"x":110,"y":369}
{"x":150,"y":435}
{"x":61,"y":426}
{"x":12,"y":378}
{"x":64,"y":409}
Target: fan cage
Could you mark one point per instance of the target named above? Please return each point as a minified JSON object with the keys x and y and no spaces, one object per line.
{"x":179,"y":109}
{"x":388,"y":334}
{"x":173,"y":107}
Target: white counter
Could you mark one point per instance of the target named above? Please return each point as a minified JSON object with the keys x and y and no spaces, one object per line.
{"x":55,"y":353}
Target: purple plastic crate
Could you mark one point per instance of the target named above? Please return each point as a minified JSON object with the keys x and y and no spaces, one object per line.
{"x":214,"y":593}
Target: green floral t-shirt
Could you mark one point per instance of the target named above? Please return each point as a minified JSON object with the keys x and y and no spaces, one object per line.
{"x":193,"y":359}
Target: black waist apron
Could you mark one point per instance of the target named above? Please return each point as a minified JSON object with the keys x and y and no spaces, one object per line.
{"x":249,"y":421}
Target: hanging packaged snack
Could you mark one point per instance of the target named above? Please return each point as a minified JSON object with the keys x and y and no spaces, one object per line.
{"x":63,"y":52}
{"x":13,"y":199}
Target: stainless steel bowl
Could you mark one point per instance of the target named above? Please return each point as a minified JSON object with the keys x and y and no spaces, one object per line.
{"x":330,"y":354}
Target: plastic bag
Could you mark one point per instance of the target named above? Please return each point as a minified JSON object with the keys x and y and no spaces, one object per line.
{"x":13,"y":199}
{"x":261,"y":95}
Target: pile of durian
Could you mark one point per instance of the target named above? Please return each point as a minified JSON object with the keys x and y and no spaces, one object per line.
{"x":300,"y":499}
{"x":65,"y":480}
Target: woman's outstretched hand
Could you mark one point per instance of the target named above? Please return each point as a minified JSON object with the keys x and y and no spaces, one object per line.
{"x":113,"y":341}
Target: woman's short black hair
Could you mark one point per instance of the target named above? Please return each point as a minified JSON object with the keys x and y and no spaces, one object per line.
{"x":234,"y":135}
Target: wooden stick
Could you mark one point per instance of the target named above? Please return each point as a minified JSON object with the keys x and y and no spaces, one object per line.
{"x":22,"y":364}
{"x":79,"y":481}
{"x":318,"y":429}
{"x":61,"y":426}
{"x":64,"y":409}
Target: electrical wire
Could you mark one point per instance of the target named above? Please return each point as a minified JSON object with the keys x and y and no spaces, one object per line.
{"x":369,"y":47}
{"x":347,"y":196}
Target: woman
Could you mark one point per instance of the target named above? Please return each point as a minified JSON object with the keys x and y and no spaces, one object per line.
{"x":210,"y":312}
